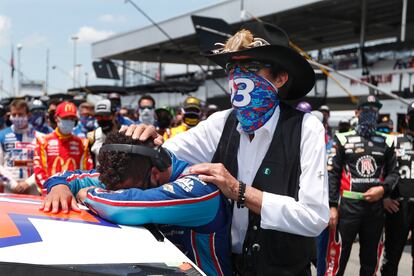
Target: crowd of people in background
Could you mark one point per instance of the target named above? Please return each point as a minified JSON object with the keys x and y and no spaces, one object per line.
{"x":39,"y":139}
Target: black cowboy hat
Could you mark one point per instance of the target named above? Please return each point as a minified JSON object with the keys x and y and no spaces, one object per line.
{"x":301,"y":75}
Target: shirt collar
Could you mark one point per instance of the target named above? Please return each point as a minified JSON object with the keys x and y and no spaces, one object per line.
{"x":268,"y":128}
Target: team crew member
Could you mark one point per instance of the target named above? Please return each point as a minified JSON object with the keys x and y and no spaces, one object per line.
{"x":196,"y":211}
{"x":38,"y":117}
{"x":61,"y":150}
{"x":146,"y":110}
{"x":367,"y":158}
{"x":105,"y":114}
{"x":17,"y":144}
{"x":191,"y":116}
{"x":399,"y":206}
{"x":260,"y":141}
{"x":86,"y":122}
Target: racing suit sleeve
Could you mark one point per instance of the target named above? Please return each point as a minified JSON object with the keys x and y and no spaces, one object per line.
{"x":390,"y":172}
{"x":185,"y":202}
{"x":335,"y":172}
{"x":40,"y":162}
{"x":75,"y":180}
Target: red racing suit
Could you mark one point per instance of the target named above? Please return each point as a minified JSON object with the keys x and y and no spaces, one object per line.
{"x":56,"y":153}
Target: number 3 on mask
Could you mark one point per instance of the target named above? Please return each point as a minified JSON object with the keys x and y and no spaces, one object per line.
{"x":240,"y":96}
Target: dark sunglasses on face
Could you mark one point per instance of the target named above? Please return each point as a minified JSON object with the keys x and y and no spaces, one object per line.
{"x":150,"y":107}
{"x":251,"y":66}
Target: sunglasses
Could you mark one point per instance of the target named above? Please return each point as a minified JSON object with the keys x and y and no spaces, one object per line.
{"x":251,"y":66}
{"x":146,"y":107}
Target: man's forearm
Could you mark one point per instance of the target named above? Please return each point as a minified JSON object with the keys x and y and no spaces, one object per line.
{"x":254,"y":199}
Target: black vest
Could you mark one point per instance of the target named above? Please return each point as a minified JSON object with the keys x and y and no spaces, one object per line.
{"x":271,"y":252}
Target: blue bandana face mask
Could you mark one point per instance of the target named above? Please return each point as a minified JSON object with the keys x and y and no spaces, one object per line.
{"x":253,"y":97}
{"x":88,"y":122}
{"x":367,"y":122}
{"x":37,"y":119}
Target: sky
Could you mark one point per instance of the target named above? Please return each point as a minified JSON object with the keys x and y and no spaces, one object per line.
{"x":38,"y":25}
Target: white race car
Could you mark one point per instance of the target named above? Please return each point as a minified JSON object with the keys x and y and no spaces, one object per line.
{"x":36,"y":243}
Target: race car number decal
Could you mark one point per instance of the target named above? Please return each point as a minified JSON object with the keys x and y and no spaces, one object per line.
{"x":16,"y":228}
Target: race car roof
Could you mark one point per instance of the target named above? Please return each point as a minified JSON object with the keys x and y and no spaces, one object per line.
{"x":30,"y":236}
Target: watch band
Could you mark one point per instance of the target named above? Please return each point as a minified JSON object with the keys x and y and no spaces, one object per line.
{"x":241,"y":197}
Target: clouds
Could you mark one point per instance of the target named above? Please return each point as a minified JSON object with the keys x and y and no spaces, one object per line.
{"x":34,"y":40}
{"x":88,"y":34}
{"x":109,"y":18}
{"x":5,"y":25}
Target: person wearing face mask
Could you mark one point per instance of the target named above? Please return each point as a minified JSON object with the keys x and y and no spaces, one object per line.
{"x":105,"y":115}
{"x":366,"y":159}
{"x":87,"y":121}
{"x":266,"y":157}
{"x":399,"y":206}
{"x":38,"y":117}
{"x":146,"y":110}
{"x":17,"y":150}
{"x":61,"y":150}
{"x":191,"y":116}
{"x":272,"y":156}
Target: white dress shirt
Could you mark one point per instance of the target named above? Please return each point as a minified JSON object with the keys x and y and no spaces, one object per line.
{"x":309,"y":215}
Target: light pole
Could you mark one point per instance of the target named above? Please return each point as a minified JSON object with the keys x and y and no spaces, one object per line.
{"x":79,"y":70}
{"x":19,"y":68}
{"x":75,"y":39}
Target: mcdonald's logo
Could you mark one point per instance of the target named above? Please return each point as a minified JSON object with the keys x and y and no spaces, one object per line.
{"x":60,"y":165}
{"x":70,"y":107}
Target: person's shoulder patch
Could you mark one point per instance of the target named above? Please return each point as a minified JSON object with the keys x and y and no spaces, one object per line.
{"x":186,"y":183}
{"x":343,"y":137}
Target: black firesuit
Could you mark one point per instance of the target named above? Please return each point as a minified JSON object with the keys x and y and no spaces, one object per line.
{"x":397,"y":225}
{"x":366,"y":162}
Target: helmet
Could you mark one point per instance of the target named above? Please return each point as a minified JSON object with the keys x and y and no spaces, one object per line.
{"x":37,"y":105}
{"x":192,"y":111}
{"x":304,"y":106}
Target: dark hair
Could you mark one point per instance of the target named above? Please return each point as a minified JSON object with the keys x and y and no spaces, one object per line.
{"x":19,"y":103}
{"x":117,"y":167}
{"x":146,"y":97}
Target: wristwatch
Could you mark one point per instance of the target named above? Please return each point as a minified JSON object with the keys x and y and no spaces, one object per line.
{"x":242,"y":195}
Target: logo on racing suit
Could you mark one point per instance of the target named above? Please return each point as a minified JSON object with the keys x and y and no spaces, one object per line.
{"x":366,"y":166}
{"x":407,"y":172}
{"x":59,"y":164}
{"x":186,"y":184}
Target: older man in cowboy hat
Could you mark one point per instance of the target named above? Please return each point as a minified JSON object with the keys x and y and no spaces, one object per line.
{"x":266,"y":157}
